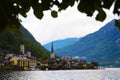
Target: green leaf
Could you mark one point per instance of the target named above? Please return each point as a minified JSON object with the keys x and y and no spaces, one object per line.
{"x":38,"y":14}
{"x":54,"y":14}
{"x":64,"y":4}
{"x":71,"y":2}
{"x":59,"y":9}
{"x":117,"y":23}
{"x":117,"y":7}
{"x":81,"y":6}
{"x":86,"y":7}
{"x":107,"y":3}
{"x":101,"y":15}
{"x":38,"y":11}
{"x":23,"y":13}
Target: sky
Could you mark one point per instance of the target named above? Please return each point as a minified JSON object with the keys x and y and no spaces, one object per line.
{"x":69,"y":23}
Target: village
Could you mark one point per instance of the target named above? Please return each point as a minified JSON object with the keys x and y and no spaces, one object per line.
{"x":25,"y":61}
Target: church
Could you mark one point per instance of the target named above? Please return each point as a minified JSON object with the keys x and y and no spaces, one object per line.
{"x":52,"y":55}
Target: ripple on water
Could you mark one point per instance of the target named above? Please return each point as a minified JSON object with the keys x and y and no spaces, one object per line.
{"x":108,"y":74}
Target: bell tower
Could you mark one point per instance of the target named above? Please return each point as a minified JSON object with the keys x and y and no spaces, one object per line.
{"x":52,"y":55}
{"x":22,"y":49}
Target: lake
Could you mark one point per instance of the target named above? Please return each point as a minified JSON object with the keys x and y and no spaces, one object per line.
{"x":105,"y":74}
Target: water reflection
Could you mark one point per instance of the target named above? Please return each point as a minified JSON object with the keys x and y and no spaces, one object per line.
{"x":108,"y":74}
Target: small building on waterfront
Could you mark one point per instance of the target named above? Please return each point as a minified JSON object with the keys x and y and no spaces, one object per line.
{"x":24,"y":61}
{"x":66,"y":58}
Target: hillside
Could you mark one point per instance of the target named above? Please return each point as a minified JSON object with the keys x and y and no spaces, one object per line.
{"x":102,"y":46}
{"x":10,"y":40}
{"x":61,"y":43}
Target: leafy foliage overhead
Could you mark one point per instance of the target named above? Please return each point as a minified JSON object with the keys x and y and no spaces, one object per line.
{"x":10,"y":9}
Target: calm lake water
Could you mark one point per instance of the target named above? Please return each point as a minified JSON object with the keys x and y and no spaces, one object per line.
{"x":107,"y":74}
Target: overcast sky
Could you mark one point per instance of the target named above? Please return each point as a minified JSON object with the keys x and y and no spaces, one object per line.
{"x":69,"y":23}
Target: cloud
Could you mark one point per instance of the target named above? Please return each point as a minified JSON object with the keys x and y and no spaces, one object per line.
{"x":70,"y":23}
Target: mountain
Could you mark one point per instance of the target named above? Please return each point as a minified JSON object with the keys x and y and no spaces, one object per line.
{"x":102,"y":46}
{"x":61,"y":43}
{"x":11,"y":38}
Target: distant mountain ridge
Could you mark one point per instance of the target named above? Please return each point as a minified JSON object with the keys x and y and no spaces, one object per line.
{"x":102,"y":45}
{"x":11,"y":38}
{"x":61,"y":43}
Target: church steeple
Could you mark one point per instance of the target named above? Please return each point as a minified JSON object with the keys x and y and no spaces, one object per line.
{"x":52,"y":55}
{"x":52,"y":48}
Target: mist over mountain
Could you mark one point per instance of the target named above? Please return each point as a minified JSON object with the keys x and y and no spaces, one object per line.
{"x":61,"y":43}
{"x":102,"y":45}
